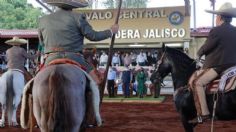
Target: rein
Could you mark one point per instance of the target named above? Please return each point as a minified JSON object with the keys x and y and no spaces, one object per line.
{"x":160,"y":61}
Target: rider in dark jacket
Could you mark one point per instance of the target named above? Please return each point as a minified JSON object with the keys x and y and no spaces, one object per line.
{"x":219,"y":51}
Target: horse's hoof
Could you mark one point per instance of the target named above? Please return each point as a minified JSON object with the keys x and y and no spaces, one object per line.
{"x":90,"y":126}
{"x":2,"y":124}
{"x":15,"y":124}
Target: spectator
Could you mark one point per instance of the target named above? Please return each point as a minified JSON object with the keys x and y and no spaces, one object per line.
{"x":154,"y":58}
{"x":127,"y":59}
{"x":115,"y":60}
{"x":149,"y":59}
{"x":111,"y":76}
{"x":133,"y":57}
{"x":141,"y":59}
{"x":126,"y":79}
{"x":141,"y":78}
{"x":103,"y":59}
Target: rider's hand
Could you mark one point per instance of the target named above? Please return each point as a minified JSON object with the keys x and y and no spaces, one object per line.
{"x":114,"y":28}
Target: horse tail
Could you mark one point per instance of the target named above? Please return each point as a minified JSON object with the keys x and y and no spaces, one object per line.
{"x":59,"y":110}
{"x":9,"y":96}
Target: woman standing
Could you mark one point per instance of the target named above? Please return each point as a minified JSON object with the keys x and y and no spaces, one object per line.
{"x":141,"y":78}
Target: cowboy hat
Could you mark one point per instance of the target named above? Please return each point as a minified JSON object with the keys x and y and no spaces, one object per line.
{"x":16,"y":41}
{"x":67,"y":3}
{"x":226,"y":9}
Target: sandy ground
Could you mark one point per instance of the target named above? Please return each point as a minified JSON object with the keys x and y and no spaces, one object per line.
{"x":143,"y":117}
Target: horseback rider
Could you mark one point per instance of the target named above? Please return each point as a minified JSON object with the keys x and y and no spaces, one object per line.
{"x":62,"y":34}
{"x":16,"y":56}
{"x":219,"y":51}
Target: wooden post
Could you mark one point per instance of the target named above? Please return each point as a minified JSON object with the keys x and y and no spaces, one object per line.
{"x":110,"y":54}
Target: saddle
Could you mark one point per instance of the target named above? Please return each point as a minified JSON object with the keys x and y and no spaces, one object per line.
{"x":225,"y":83}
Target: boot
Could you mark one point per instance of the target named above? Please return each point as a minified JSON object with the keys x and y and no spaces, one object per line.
{"x":199,"y":119}
{"x":95,"y":75}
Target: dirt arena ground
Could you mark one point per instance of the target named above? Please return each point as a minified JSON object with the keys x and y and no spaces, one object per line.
{"x":137,"y":117}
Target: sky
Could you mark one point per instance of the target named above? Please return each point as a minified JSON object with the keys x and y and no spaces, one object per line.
{"x":203,"y":19}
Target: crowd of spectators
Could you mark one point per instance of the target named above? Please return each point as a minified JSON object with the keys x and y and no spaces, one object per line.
{"x":141,"y":58}
{"x":129,"y":70}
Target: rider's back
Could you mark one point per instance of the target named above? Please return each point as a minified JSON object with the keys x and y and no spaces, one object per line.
{"x":65,"y":31}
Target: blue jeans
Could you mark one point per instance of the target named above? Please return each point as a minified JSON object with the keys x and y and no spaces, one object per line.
{"x":126,"y":89}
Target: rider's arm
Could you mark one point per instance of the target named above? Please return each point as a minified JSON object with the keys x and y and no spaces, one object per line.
{"x":210,"y":43}
{"x":87,"y":30}
{"x":28,"y":55}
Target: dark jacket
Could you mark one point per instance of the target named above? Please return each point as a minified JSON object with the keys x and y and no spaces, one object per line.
{"x":220,"y":47}
{"x":126,"y":76}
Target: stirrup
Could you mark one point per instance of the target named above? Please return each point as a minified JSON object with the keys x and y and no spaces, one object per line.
{"x":196,"y":120}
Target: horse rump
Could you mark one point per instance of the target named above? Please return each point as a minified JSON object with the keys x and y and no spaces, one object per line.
{"x":59,"y":108}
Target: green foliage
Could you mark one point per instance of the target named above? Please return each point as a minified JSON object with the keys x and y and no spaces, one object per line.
{"x":18,"y":14}
{"x":110,"y":4}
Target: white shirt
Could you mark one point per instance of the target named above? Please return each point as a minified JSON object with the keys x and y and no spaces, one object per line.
{"x":103,"y":58}
{"x":141,"y":58}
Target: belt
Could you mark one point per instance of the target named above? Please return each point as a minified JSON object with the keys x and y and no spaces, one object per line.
{"x":64,"y":53}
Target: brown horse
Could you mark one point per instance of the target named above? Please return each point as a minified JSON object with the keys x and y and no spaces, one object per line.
{"x":59,"y":101}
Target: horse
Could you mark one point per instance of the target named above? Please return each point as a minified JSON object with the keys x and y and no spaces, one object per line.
{"x":181,"y":68}
{"x":11,"y":88}
{"x":59,"y":98}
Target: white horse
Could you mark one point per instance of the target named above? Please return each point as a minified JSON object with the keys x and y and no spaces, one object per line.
{"x":11,"y":88}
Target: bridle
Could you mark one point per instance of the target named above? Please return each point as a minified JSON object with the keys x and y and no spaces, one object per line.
{"x":159,"y":62}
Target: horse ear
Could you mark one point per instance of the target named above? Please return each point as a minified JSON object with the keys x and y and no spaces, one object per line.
{"x":163,"y":47}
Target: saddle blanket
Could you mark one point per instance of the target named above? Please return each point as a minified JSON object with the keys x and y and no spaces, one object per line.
{"x":226,"y":83}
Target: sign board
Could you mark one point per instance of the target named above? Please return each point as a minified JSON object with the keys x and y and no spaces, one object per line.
{"x":149,"y":25}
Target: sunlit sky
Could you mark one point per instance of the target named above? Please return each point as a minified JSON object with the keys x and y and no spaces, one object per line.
{"x":203,"y":19}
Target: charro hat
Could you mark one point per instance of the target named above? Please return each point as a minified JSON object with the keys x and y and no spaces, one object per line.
{"x":16,"y":41}
{"x":67,"y":3}
{"x":226,"y":9}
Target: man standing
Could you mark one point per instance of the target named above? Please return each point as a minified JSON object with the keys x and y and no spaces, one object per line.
{"x":126,"y":80}
{"x":111,"y":77}
{"x":219,"y":50}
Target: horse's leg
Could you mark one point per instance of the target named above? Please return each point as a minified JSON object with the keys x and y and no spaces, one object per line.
{"x":16,"y":102}
{"x":187,"y":126}
{"x":2,"y":121}
{"x":3,"y":91}
{"x":38,"y":110}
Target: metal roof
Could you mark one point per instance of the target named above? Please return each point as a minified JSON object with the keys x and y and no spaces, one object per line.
{"x":29,"y":33}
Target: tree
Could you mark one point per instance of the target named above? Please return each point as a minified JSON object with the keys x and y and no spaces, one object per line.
{"x":17,"y":14}
{"x":110,"y":4}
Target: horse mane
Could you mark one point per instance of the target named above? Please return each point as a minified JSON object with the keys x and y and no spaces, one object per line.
{"x":180,"y":58}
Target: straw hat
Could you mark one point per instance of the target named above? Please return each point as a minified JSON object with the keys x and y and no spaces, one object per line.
{"x":16,"y":41}
{"x":67,"y":3}
{"x":226,"y":9}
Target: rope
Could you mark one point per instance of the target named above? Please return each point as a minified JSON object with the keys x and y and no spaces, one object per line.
{"x":31,"y":112}
{"x":215,"y":99}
